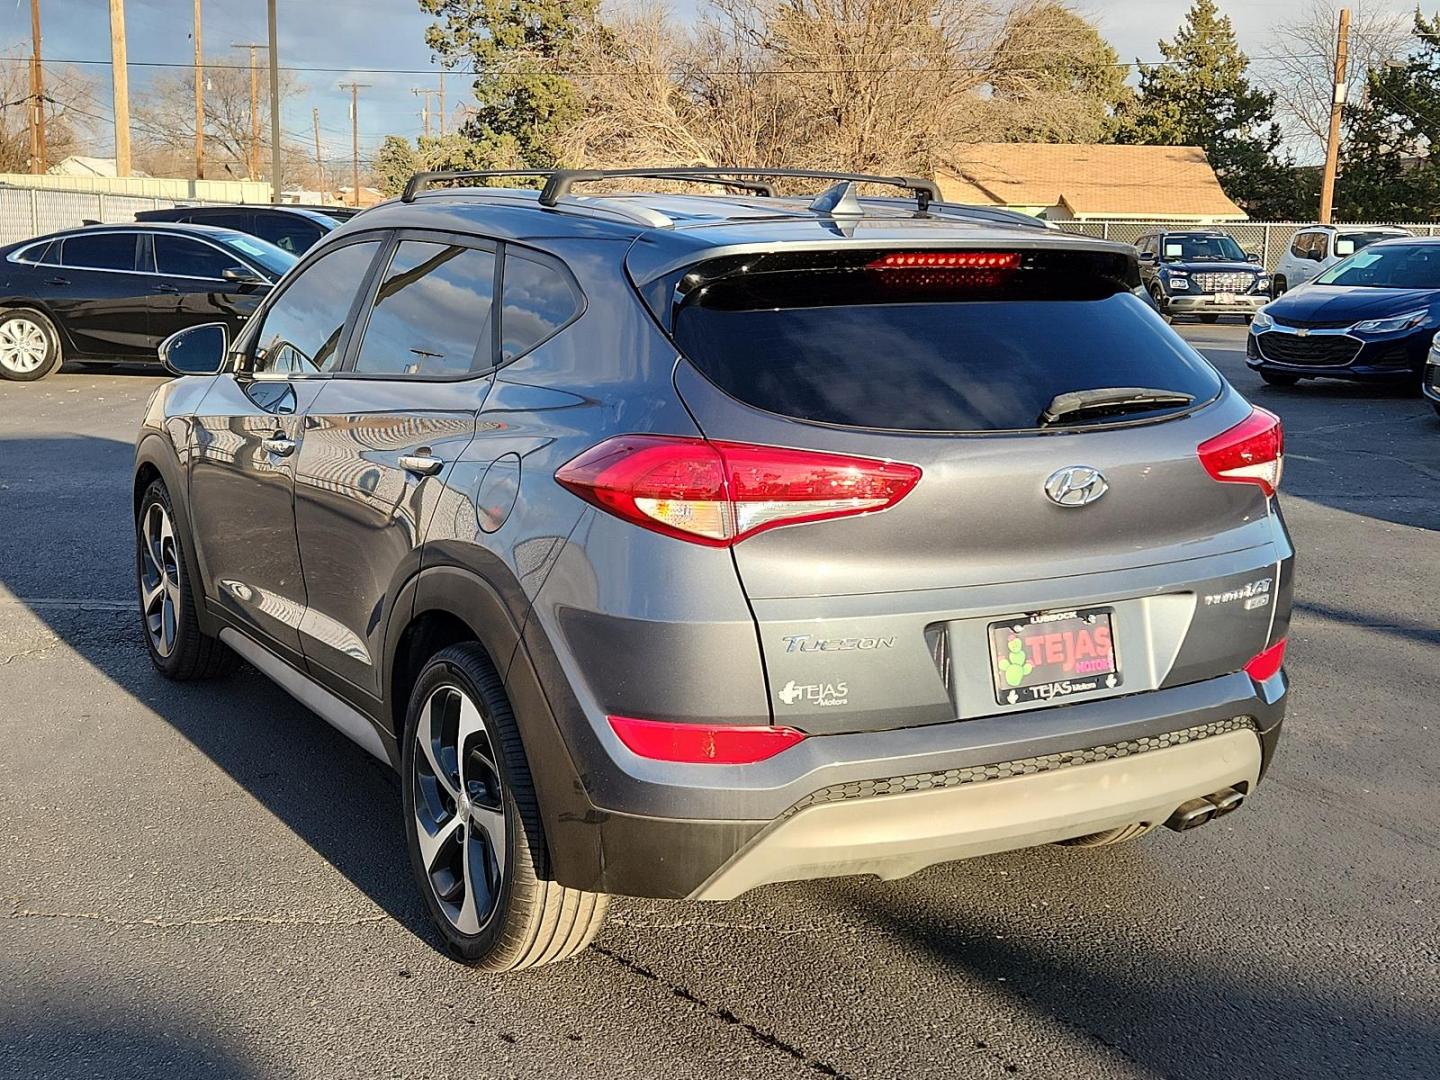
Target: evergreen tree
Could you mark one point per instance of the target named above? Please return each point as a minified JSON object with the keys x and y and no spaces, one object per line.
{"x":1202,"y":96}
{"x":1388,"y":171}
{"x":519,"y":49}
{"x":394,"y":164}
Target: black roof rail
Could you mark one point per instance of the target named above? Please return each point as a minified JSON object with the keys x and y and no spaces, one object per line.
{"x":561,"y":180}
{"x":421,"y":181}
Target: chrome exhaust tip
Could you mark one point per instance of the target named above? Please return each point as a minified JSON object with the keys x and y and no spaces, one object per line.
{"x":1191,"y":815}
{"x":1226,"y":801}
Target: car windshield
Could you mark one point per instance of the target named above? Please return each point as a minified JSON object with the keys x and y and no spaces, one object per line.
{"x":1202,"y":249}
{"x":267,"y":255}
{"x":1403,"y":266}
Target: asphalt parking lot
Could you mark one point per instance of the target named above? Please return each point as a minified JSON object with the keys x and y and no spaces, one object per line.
{"x":208,"y":880}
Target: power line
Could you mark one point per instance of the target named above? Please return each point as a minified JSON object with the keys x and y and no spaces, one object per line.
{"x":580,"y":73}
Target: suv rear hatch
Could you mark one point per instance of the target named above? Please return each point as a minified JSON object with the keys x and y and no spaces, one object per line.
{"x":966,"y":363}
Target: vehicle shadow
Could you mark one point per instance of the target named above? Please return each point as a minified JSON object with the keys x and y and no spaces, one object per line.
{"x":1270,"y":1023}
{"x":67,"y":556}
{"x":59,"y":1034}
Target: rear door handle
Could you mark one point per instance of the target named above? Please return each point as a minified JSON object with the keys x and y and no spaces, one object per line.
{"x":57,"y":281}
{"x":421,"y":464}
{"x":279,"y":446}
{"x":164,"y":288}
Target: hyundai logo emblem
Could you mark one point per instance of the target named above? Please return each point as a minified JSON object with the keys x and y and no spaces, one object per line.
{"x":1076,"y":485}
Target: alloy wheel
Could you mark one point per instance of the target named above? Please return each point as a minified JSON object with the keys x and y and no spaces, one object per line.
{"x":23,"y":345}
{"x":459,"y":808}
{"x":159,"y":578}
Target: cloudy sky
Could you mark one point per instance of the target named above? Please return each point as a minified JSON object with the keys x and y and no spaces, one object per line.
{"x":381,"y":42}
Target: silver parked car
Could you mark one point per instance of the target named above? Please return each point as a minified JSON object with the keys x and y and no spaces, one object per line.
{"x":673,"y":545}
{"x":1315,"y":249}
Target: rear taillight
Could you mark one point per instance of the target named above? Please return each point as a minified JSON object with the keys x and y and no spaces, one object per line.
{"x":702,"y":744}
{"x":718,"y":493}
{"x":1251,"y":452}
{"x":1266,"y":664}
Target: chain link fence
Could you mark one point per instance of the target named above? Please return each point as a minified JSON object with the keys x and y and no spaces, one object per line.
{"x":1268,"y":239}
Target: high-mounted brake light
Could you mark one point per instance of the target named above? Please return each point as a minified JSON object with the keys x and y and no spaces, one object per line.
{"x":1265,"y":665}
{"x":718,"y":493}
{"x":703,"y":744}
{"x":1251,"y":452}
{"x":947,"y":260}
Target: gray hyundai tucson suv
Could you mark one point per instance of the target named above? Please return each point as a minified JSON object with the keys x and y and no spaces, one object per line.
{"x":673,"y":545}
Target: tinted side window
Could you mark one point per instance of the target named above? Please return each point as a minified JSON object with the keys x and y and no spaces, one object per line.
{"x":539,"y":298}
{"x":302,"y":330}
{"x":184,"y":257}
{"x":432,"y":312}
{"x":1297,"y":245}
{"x":47,"y":254}
{"x":102,"y":251}
{"x":1321,"y":245}
{"x":240,"y":220}
{"x":294,"y":235}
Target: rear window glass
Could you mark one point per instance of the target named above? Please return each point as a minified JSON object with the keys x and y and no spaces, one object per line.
{"x":947,"y":350}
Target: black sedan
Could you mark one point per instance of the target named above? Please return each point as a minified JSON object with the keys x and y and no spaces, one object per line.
{"x":1369,"y":318}
{"x":112,"y":293}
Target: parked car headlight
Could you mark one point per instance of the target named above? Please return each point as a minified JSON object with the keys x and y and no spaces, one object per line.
{"x":1262,"y":281}
{"x":1391,"y":325}
{"x":1177,"y":279}
{"x":1261,"y":321}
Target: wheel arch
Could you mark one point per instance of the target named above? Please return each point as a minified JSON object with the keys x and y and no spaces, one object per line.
{"x":68,"y":348}
{"x":155,"y":459}
{"x":447,"y":605}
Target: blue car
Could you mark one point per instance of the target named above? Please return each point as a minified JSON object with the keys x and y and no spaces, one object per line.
{"x":1369,"y":318}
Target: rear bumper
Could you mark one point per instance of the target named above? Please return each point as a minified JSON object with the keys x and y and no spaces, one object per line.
{"x":892,"y":803}
{"x":963,"y":813}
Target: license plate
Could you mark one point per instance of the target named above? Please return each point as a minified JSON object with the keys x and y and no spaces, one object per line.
{"x":1224,"y":298}
{"x":1052,"y":655}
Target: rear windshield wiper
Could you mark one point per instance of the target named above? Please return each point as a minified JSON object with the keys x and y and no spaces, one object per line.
{"x":1111,"y":400}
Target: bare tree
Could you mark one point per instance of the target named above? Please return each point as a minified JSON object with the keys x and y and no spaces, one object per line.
{"x":1302,"y":63}
{"x":891,"y":85}
{"x":164,"y":123}
{"x":71,"y":113}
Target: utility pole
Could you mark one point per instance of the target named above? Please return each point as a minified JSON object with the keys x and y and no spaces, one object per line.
{"x":319,"y":161}
{"x":252,"y":166}
{"x":120,"y":78}
{"x":354,"y":89}
{"x":1337,"y":108}
{"x":277,"y":177}
{"x":37,"y":94}
{"x":442,"y":104}
{"x":424,"y":95}
{"x":199,"y":100}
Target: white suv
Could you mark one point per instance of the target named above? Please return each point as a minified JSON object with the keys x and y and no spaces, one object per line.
{"x":1319,"y":247}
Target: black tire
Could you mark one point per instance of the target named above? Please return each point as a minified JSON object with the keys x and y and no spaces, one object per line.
{"x":1279,"y":378}
{"x":1209,"y":318}
{"x":1105,"y":838}
{"x":53,"y":357}
{"x":1159,"y":299}
{"x":192,"y":654}
{"x":1436,"y":406}
{"x":1277,"y":288}
{"x":534,"y":920}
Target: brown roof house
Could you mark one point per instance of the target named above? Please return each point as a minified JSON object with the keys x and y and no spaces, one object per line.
{"x":1082,"y":182}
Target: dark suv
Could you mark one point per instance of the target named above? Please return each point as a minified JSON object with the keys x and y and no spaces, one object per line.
{"x":1204,"y":273}
{"x":291,"y":228}
{"x":674,"y":545}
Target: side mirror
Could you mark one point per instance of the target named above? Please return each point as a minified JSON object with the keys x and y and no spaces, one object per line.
{"x":238,"y":275}
{"x":197,"y":350}
{"x":1344,"y":247}
{"x":1252,"y":256}
{"x":1147,"y":256}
